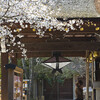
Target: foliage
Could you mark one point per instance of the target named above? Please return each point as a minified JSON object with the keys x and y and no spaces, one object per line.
{"x":43,"y":73}
{"x":19,"y":62}
{"x":78,"y":64}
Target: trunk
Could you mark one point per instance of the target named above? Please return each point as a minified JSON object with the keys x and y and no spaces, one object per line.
{"x":25,"y":68}
{"x":30,"y":78}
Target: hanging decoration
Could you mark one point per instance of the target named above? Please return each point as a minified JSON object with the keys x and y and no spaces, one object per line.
{"x":56,"y":62}
{"x":93,"y":55}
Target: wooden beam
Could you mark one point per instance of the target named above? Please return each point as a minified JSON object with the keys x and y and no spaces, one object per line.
{"x":66,"y":39}
{"x":89,"y":25}
{"x":63,"y":46}
{"x":59,"y":46}
{"x":49,"y":54}
{"x":87,"y":31}
{"x":93,"y":19}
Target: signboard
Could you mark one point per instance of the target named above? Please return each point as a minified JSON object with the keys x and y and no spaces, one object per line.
{"x":15,"y":82}
{"x":17,"y":87}
{"x":18,"y":84}
{"x":97,"y":5}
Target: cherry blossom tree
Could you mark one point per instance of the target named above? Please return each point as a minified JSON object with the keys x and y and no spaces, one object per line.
{"x":39,"y":14}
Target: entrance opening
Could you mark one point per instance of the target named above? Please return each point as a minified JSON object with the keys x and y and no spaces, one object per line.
{"x":41,"y":84}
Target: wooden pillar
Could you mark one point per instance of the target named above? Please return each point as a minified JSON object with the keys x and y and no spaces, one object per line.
{"x":87,"y":76}
{"x":92,"y":78}
{"x":7,"y":78}
{"x":11,"y":79}
{"x":10,"y":84}
{"x":4,"y":77}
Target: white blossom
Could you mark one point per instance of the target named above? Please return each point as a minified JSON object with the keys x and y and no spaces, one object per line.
{"x":39,"y":14}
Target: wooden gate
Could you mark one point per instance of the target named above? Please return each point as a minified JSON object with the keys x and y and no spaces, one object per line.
{"x":59,"y":91}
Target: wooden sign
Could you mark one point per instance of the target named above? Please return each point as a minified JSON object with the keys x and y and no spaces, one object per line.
{"x":15,"y":82}
{"x":97,"y":5}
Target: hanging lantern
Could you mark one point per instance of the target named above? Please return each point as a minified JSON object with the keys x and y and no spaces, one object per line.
{"x":95,"y":54}
{"x":56,"y":62}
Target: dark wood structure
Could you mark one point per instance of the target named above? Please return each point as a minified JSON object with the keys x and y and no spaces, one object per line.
{"x":59,"y":91}
{"x":97,"y":69}
{"x":74,"y":43}
{"x":71,"y":44}
{"x":15,"y":82}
